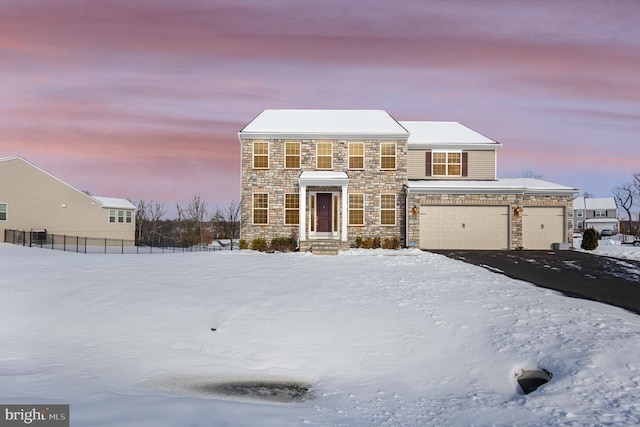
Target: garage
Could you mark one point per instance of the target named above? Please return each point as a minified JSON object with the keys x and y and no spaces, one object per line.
{"x":542,"y":227}
{"x":464,"y":227}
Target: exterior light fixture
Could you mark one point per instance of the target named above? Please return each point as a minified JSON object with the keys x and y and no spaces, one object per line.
{"x":517,"y":211}
{"x":414,"y":210}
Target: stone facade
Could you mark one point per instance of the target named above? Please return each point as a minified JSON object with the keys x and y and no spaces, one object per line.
{"x":514,"y":201}
{"x":276,"y":181}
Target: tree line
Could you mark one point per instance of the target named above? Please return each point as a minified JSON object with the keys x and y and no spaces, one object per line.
{"x":197,"y":223}
{"x":627,"y":197}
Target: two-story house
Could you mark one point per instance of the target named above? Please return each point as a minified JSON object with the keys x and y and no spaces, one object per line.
{"x":597,"y":213}
{"x":336,"y":175}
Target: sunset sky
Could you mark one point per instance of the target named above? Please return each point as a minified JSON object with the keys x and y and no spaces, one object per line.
{"x":144,"y":99}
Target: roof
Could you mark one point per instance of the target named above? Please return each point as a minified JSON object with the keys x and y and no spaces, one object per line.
{"x":445,"y":134}
{"x":323,"y":178}
{"x":324,"y":123}
{"x":601,"y":203}
{"x":506,"y":185}
{"x":109,"y":202}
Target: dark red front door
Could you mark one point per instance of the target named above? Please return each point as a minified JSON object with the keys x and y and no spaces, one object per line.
{"x":324,"y":212}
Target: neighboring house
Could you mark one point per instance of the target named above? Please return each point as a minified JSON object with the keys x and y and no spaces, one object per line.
{"x":33,"y":200}
{"x":338,"y":175}
{"x":597,"y":213}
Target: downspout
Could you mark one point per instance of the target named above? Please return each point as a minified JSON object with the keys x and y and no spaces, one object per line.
{"x":406,"y":215}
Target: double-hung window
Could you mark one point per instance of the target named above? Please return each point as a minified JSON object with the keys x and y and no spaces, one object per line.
{"x":292,"y":155}
{"x":388,"y":209}
{"x":291,"y":209}
{"x":356,"y":209}
{"x":112,"y":215}
{"x":447,"y":163}
{"x":600,"y":213}
{"x":324,"y":155}
{"x":260,"y":208}
{"x":260,"y":155}
{"x":388,"y":155}
{"x":356,"y":155}
{"x":3,"y":211}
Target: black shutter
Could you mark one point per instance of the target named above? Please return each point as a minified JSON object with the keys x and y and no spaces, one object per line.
{"x":465,"y":163}
{"x":427,"y":171}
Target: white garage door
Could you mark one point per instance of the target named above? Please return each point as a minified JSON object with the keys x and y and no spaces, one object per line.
{"x":464,"y":227}
{"x":542,"y":227}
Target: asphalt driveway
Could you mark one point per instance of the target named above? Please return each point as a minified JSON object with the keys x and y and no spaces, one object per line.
{"x":577,"y":274}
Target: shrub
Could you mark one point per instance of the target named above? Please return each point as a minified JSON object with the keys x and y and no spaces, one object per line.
{"x":367,"y":243}
{"x":243,"y":244}
{"x":391,"y":243}
{"x":375,"y":243}
{"x":589,"y":239}
{"x":259,"y":244}
{"x":358,"y":243}
{"x":283,"y":244}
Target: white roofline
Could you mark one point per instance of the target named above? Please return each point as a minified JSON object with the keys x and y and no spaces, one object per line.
{"x":524,"y":186}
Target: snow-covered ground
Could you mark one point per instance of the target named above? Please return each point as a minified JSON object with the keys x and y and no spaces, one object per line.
{"x":385,"y":338}
{"x":612,"y":248}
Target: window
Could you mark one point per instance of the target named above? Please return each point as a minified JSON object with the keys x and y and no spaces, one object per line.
{"x":112,"y":215}
{"x":3,"y":211}
{"x":324,"y":156}
{"x":579,"y":213}
{"x":292,"y":155}
{"x":260,"y":208}
{"x":600,"y":213}
{"x":128,"y":217}
{"x":356,"y":155}
{"x":580,"y":226}
{"x":388,"y":209}
{"x":356,"y":209}
{"x":291,"y":209}
{"x":120,"y":216}
{"x":447,"y":164}
{"x":388,"y":155}
{"x":261,"y":155}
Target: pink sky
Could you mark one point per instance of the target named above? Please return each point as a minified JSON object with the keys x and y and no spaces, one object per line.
{"x":143,"y":100}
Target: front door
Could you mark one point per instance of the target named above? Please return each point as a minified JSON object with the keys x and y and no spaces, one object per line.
{"x":324,"y":212}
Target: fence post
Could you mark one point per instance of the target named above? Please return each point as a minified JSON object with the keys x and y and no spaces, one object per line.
{"x":105,"y":245}
{"x":77,"y":243}
{"x":64,"y":244}
{"x":52,"y":240}
{"x":123,"y":246}
{"x":85,"y":244}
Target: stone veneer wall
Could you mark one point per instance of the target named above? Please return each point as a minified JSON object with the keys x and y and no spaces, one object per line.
{"x":512,"y":200}
{"x":277,"y":181}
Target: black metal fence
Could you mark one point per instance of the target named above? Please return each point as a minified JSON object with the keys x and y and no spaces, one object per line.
{"x":93,"y":245}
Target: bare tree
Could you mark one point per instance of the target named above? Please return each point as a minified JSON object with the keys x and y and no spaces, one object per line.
{"x":531,"y":174}
{"x":226,"y":221}
{"x":141,"y":219}
{"x":587,"y":195}
{"x":197,"y":211}
{"x":624,"y":196}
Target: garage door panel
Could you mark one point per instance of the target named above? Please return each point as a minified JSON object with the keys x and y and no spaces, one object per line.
{"x":464,"y":227}
{"x":542,"y":227}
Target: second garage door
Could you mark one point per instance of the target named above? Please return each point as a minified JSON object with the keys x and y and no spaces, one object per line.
{"x":464,"y":227}
{"x":542,"y":227}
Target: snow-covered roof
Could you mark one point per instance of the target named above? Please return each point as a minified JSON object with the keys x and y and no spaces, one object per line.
{"x":506,"y":185}
{"x":597,"y":203}
{"x":109,"y":202}
{"x":602,"y":221}
{"x":323,"y":178}
{"x":323,"y":123}
{"x":446,"y":134}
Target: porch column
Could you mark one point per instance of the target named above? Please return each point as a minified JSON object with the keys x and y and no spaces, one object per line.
{"x":345,"y":212}
{"x":302,"y":212}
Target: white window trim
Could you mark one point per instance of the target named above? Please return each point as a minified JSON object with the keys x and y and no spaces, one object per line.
{"x":395,"y":156}
{"x":579,"y":213}
{"x":290,"y":155}
{"x":286,"y":209}
{"x":6,"y":211}
{"x":364,"y":208}
{"x":597,"y":211}
{"x":318,"y":156}
{"x":447,"y":162}
{"x":253,"y":154}
{"x":363,"y":155}
{"x":395,"y":210}
{"x":253,"y":209}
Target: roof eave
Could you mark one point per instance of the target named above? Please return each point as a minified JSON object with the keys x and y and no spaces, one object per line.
{"x":320,"y":135}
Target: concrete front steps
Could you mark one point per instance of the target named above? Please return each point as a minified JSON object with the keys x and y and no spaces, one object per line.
{"x":323,"y":247}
